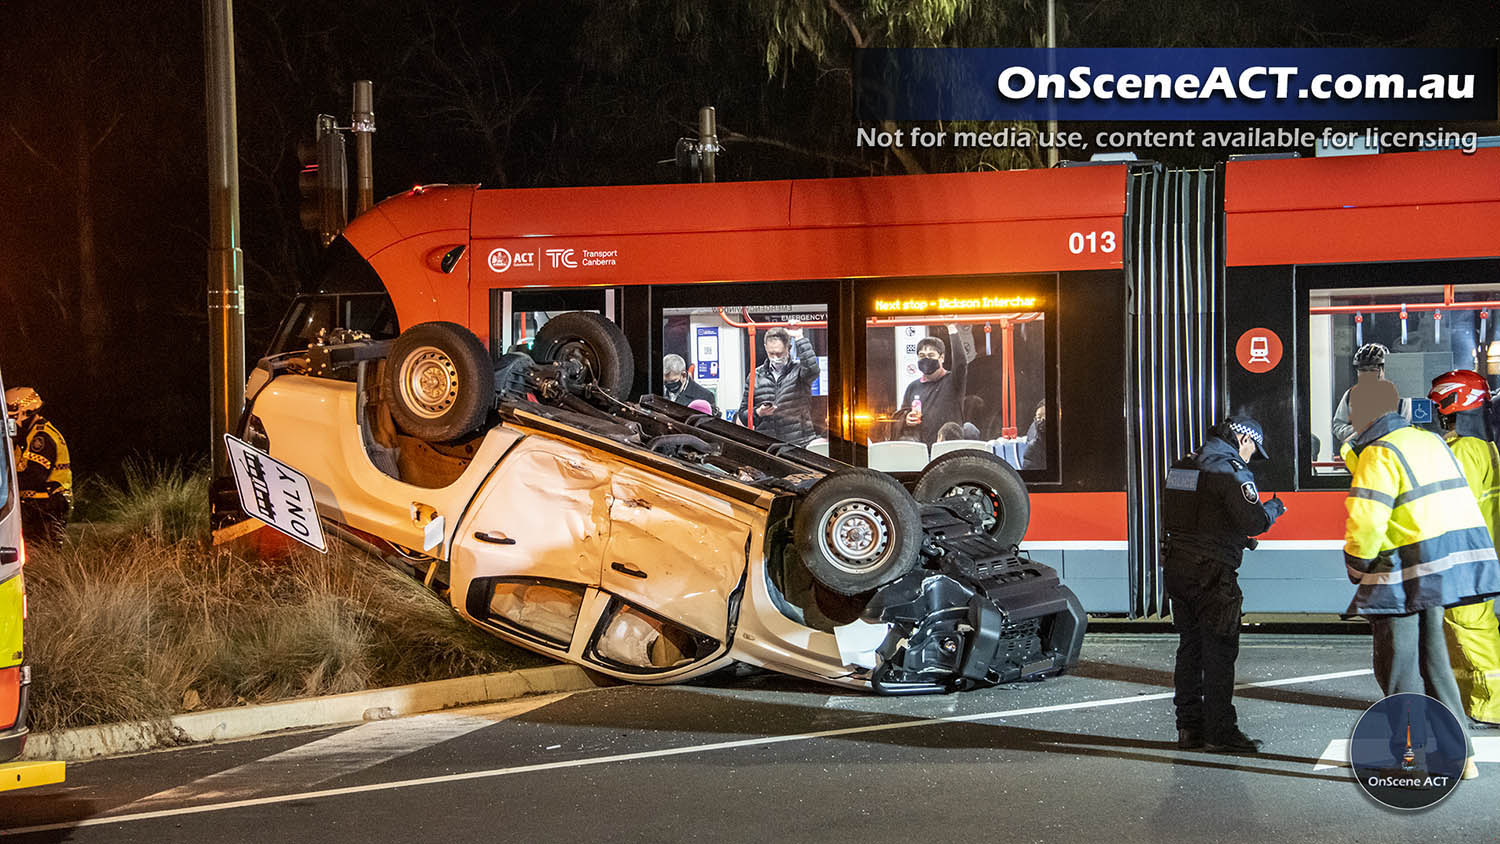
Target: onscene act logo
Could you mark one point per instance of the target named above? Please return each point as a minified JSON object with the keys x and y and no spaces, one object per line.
{"x":1408,"y":751}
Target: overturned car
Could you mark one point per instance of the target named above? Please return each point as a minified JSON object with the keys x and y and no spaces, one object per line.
{"x":650,"y":542}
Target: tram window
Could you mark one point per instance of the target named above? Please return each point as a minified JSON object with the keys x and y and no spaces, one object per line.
{"x":726,"y":355}
{"x":516,"y":316}
{"x":1429,"y":329}
{"x":985,"y":385}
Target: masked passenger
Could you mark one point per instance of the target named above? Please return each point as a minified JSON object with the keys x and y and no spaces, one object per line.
{"x":937,"y":397}
{"x":781,"y":386}
{"x":678,"y":386}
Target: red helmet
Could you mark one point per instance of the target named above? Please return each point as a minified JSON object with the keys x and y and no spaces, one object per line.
{"x":1461,"y":389}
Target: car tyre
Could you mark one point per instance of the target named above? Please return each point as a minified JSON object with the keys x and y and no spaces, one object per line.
{"x":857,"y":530}
{"x":971,"y":471}
{"x":592,"y":341}
{"x":439,"y":382}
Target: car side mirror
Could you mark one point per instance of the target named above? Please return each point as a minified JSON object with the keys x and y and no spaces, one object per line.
{"x":9,"y":555}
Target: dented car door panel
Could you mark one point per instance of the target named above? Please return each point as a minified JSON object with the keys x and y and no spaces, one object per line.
{"x":674,"y":549}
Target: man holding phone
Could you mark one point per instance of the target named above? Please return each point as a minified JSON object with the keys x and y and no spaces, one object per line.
{"x":781,"y":387}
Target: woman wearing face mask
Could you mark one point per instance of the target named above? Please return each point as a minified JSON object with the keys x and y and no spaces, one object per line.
{"x":938,"y":395}
{"x":677,"y":386}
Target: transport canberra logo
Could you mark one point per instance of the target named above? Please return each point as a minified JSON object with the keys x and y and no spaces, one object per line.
{"x":1408,"y":751}
{"x":557,"y":258}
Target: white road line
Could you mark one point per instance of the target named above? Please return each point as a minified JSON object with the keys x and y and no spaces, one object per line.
{"x":1336,"y":754}
{"x":347,"y":752}
{"x":649,"y":754}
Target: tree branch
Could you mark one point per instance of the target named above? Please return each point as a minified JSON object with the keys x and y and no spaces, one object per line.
{"x":731,"y":136}
{"x":859,"y":40}
{"x":33,"y":150}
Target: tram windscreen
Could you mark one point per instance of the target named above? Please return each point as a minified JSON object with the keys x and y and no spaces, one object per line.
{"x":963,"y":380}
{"x":1429,"y":329}
{"x":764,"y":366}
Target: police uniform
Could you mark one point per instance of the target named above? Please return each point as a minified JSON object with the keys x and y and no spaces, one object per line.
{"x":1414,"y":543}
{"x":1212,"y":508}
{"x":45,"y":476}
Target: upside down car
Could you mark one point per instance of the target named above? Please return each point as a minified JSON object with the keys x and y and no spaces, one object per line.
{"x":650,"y":542}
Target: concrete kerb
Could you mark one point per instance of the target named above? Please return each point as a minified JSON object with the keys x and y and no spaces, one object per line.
{"x":85,"y":743}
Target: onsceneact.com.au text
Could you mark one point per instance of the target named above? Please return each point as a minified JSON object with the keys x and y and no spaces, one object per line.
{"x":1251,"y":83}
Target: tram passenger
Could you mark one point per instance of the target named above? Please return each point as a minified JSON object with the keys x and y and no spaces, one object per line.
{"x":1414,"y":544}
{"x":936,"y":397}
{"x":1462,"y":399}
{"x":1211,"y":511}
{"x":782,"y":387}
{"x":680,"y":387}
{"x":1369,"y":362}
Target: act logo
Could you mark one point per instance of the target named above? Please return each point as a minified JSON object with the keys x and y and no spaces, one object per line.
{"x":1408,"y":751}
{"x":501,"y":260}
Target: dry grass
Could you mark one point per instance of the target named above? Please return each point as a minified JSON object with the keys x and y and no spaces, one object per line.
{"x":130,"y":621}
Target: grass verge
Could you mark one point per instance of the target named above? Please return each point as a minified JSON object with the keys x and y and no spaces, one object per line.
{"x":136,"y":620}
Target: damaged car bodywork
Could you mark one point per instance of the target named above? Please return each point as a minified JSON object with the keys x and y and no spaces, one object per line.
{"x":646,"y":540}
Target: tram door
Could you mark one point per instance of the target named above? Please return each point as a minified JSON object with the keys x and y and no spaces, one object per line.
{"x":519,"y":314}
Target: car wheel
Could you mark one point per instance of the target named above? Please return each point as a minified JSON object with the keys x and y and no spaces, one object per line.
{"x":857,"y":530}
{"x":974,"y":472}
{"x":438,"y":380}
{"x":592,"y":341}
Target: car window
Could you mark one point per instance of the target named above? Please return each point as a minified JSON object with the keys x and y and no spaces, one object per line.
{"x":307,"y":317}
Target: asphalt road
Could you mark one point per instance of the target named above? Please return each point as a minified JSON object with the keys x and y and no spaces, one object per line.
{"x":1086,"y":757}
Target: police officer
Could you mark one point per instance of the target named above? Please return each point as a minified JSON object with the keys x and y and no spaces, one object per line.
{"x":1212,"y":508}
{"x":42,"y":468}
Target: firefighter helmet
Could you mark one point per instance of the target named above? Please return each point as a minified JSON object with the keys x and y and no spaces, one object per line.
{"x":22,"y":400}
{"x":1461,"y":389}
{"x":1370,"y":356}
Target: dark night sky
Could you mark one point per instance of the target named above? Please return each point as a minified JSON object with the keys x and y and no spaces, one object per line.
{"x":104,"y":110}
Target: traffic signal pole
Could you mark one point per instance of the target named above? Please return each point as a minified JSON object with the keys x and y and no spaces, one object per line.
{"x":226,"y":276}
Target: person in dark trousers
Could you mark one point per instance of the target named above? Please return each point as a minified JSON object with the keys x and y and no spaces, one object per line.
{"x":1036,"y":439}
{"x":1212,"y":508}
{"x":782,"y":388}
{"x":678,"y":386}
{"x":939,"y":391}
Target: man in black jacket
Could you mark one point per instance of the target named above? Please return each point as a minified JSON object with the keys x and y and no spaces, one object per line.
{"x":781,"y":387}
{"x":936,"y":397}
{"x":680,"y":387}
{"x":1211,"y":508}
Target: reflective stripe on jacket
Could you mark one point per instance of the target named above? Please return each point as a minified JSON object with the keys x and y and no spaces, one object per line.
{"x":1414,"y":538}
{"x":42,"y":466}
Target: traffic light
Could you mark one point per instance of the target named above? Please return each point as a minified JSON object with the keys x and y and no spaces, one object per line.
{"x":323,"y":182}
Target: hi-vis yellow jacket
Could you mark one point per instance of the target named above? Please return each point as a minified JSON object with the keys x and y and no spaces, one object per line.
{"x":1481,"y":464}
{"x":1415,"y":538}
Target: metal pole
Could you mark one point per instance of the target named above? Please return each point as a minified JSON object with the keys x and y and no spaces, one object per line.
{"x":363,"y":126}
{"x":708,"y":141}
{"x":226,"y":289}
{"x":1052,"y":45}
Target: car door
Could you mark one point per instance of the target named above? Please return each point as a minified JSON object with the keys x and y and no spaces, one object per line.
{"x":527,"y":556}
{"x":674,"y":559}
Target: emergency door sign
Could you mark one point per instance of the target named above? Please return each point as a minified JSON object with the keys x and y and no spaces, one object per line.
{"x":1259,"y":350}
{"x":275,"y":493}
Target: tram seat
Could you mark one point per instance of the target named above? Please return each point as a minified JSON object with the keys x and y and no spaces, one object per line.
{"x":818,"y":445}
{"x":944,"y":446}
{"x":1010,"y":449}
{"x":898,"y":456}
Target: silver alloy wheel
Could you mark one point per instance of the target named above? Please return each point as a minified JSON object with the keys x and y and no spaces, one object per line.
{"x":429,"y":382}
{"x":855,"y":536}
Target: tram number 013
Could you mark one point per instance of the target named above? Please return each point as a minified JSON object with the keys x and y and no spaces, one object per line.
{"x":1091,"y":242}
